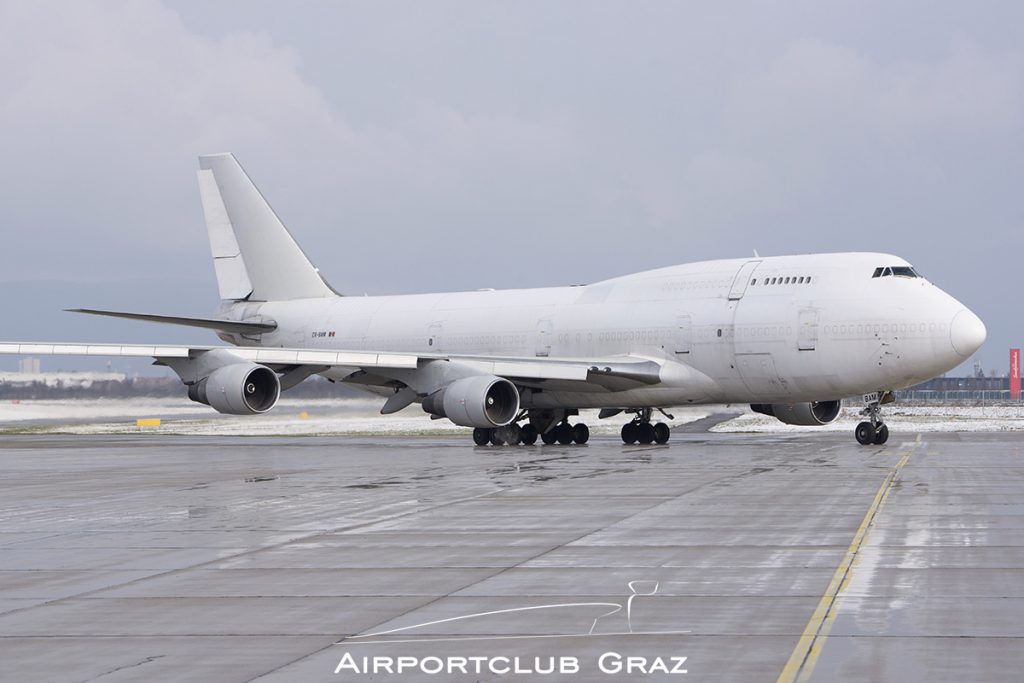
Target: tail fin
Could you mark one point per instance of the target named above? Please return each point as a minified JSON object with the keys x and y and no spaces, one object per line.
{"x":254,"y":256}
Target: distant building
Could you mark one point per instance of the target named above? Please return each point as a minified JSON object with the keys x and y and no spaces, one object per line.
{"x":59,"y":379}
{"x":28,"y":366}
{"x":959,"y":389}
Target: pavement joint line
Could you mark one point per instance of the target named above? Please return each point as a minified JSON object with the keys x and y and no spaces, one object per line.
{"x":805,"y":655}
{"x":499,"y":571}
{"x":315,"y":534}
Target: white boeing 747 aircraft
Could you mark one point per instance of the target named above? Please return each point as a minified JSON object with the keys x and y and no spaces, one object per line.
{"x":790,"y":335}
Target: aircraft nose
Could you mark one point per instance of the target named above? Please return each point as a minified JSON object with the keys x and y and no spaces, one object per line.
{"x":967,"y":333}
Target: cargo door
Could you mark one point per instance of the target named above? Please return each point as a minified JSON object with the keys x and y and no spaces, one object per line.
{"x":760,"y":376}
{"x":807,"y":337}
{"x":434,"y":336}
{"x":684,"y":334}
{"x":545,"y":331}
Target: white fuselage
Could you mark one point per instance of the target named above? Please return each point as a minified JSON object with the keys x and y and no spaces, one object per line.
{"x":731,"y":331}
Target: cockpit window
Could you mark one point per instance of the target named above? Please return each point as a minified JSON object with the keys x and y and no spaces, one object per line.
{"x":898,"y":271}
{"x":904,"y":271}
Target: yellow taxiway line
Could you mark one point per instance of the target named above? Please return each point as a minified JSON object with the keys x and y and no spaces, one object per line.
{"x":808,"y":648}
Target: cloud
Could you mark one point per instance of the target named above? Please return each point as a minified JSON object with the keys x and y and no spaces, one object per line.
{"x":462,"y":146}
{"x":103,"y":116}
{"x":112,"y":101}
{"x":820,"y":116}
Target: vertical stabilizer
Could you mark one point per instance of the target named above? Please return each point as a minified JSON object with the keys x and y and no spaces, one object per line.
{"x":254,"y":256}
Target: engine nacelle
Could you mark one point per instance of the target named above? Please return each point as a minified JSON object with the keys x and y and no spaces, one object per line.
{"x":238,"y":389}
{"x":481,"y":401}
{"x":808,"y":414}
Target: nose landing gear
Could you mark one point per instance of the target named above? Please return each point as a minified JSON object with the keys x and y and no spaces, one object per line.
{"x":873,"y":430}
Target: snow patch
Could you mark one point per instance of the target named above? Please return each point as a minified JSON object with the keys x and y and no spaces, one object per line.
{"x":291,"y":417}
{"x":903,"y":418}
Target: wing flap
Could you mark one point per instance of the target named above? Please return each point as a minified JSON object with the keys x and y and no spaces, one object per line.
{"x":260,"y":355}
{"x":36,"y":349}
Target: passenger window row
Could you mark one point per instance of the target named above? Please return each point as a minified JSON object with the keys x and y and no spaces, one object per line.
{"x":803,"y":280}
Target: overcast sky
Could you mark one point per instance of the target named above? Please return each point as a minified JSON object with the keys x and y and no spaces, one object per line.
{"x":429,"y":146}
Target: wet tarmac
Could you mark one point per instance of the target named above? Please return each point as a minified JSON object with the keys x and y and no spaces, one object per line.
{"x":755,"y":557}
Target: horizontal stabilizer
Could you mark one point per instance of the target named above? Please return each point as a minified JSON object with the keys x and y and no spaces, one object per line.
{"x":207,"y":323}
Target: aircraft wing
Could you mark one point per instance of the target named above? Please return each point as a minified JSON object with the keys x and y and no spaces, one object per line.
{"x":604,"y":374}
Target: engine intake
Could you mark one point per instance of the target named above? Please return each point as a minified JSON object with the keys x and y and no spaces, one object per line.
{"x":808,"y":414}
{"x":238,"y":389}
{"x":481,"y":401}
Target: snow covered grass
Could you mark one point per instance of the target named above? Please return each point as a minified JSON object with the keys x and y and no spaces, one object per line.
{"x":291,"y":417}
{"x":918,"y":418}
{"x":315,"y":417}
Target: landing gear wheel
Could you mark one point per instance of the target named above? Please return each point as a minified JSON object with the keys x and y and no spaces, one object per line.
{"x":874,"y":431}
{"x":549,"y":437}
{"x":645,"y":433}
{"x":661,"y":433}
{"x":481,"y":436}
{"x":528,"y":434}
{"x":511,"y":433}
{"x":563,"y":433}
{"x":496,"y":439}
{"x":629,"y":435}
{"x":881,"y":435}
{"x":865,"y":433}
{"x":580,"y":433}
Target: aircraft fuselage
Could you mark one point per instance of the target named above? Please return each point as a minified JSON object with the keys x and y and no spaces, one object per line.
{"x":757,"y":330}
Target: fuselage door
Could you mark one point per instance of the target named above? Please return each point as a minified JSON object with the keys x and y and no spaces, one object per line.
{"x":684,"y":334}
{"x":742,"y":280}
{"x":807,"y":338}
{"x":761,"y":377}
{"x":545,"y":330}
{"x":434,"y":332}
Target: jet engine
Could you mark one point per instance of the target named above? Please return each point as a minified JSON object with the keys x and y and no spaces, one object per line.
{"x":482,"y":401}
{"x":238,"y":389}
{"x":808,"y":414}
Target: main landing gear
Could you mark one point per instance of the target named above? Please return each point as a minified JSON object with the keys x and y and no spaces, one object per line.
{"x":873,"y":430}
{"x":565,"y":434}
{"x":512,"y":434}
{"x":640,"y":430}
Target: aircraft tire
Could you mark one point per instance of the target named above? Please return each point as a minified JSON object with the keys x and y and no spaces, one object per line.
{"x":661,"y":433}
{"x":512,"y":433}
{"x":628,"y":433}
{"x":481,"y":436}
{"x":496,"y":439}
{"x":580,"y":433}
{"x":528,"y":434}
{"x":548,"y":437}
{"x":881,"y":435}
{"x":645,"y":433}
{"x":563,"y":433}
{"x":865,"y":433}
